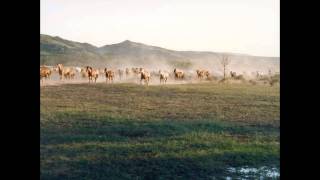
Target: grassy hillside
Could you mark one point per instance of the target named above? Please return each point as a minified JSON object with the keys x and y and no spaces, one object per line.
{"x":55,"y":50}
{"x":126,"y":131}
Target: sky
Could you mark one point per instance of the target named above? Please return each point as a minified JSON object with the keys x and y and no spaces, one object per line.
{"x":238,"y":26}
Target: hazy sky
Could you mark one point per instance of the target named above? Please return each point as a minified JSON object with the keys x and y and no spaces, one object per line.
{"x":240,"y":26}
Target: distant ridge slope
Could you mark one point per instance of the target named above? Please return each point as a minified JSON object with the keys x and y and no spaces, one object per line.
{"x":55,"y":50}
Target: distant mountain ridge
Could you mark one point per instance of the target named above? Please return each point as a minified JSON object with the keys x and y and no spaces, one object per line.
{"x":54,"y":49}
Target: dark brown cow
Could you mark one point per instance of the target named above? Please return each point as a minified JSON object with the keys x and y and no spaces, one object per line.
{"x":178,"y":74}
{"x":92,"y":74}
{"x":109,"y":75}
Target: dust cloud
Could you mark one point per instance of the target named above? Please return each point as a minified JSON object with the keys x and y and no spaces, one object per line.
{"x":247,"y":68}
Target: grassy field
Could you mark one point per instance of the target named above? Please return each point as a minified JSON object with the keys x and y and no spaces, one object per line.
{"x":126,"y":131}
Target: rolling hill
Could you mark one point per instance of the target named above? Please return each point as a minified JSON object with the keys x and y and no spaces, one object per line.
{"x":55,"y":50}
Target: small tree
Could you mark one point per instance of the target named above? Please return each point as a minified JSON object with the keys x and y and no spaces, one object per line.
{"x":225,"y":61}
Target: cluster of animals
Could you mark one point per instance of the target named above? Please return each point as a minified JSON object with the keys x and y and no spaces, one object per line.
{"x":92,"y":74}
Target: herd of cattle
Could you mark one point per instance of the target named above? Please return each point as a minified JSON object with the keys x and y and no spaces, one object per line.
{"x":92,"y":74}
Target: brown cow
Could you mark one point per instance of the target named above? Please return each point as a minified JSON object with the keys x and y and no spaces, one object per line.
{"x":92,"y":73}
{"x":109,"y":75}
{"x":164,"y":75}
{"x":45,"y":72}
{"x":202,"y":73}
{"x":178,"y":74}
{"x":145,"y":75}
{"x":66,"y":72}
{"x":70,"y":75}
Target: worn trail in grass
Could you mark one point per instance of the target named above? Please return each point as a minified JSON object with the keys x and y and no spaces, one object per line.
{"x":126,"y":131}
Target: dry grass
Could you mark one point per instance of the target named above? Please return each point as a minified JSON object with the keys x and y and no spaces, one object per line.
{"x":126,"y":131}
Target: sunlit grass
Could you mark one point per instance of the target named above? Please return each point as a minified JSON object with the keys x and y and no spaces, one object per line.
{"x":126,"y":131}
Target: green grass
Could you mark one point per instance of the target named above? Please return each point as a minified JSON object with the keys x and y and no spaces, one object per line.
{"x":126,"y":131}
